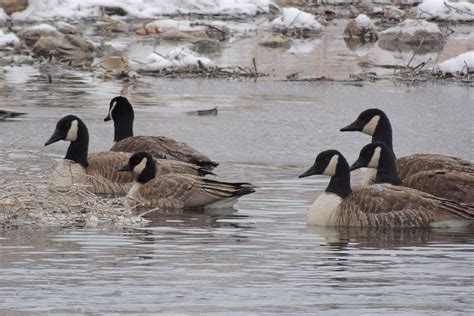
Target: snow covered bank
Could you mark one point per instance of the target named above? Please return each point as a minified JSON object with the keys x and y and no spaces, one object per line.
{"x":361,"y":27}
{"x":412,"y":32}
{"x":8,"y":39}
{"x":446,"y":10}
{"x":177,"y":58}
{"x":75,"y":9}
{"x":461,"y":64}
{"x":296,"y":21}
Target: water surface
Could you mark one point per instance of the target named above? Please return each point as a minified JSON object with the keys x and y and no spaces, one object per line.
{"x":260,"y":258}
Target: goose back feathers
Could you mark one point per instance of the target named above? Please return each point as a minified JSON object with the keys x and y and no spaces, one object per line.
{"x":453,"y":185}
{"x":121,"y":112}
{"x":381,"y":205}
{"x":179,"y":191}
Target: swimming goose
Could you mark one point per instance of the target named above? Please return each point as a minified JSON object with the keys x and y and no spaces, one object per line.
{"x":99,"y":171}
{"x":121,"y":112}
{"x":380,"y":205}
{"x":179,"y":191}
{"x":453,"y":185}
{"x":375,"y":122}
{"x":6,"y":114}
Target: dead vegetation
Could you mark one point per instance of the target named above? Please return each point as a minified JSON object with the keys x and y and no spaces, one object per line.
{"x":210,"y":71}
{"x":27,"y":199}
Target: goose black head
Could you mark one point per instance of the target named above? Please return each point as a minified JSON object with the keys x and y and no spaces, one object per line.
{"x":119,"y":109}
{"x":68,"y":128}
{"x":326,"y":163}
{"x":332,"y":163}
{"x":378,"y":156}
{"x":373,"y":155}
{"x":143,"y":165}
{"x":367,"y":122}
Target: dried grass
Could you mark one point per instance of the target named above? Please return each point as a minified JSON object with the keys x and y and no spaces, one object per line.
{"x":26,"y":198}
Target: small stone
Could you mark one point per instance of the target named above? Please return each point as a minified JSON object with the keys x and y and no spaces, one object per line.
{"x":12,"y":6}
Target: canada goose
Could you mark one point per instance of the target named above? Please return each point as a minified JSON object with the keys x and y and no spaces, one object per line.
{"x":449,"y":184}
{"x":99,"y":171}
{"x":174,"y":191}
{"x":380,"y":205}
{"x":121,"y":112}
{"x":6,"y":114}
{"x":374,"y":122}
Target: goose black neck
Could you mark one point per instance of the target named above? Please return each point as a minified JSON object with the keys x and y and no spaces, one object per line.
{"x":148,"y":173}
{"x":383,"y":132}
{"x":387,"y":170}
{"x":340,"y":183}
{"x":123,"y":128}
{"x":78,"y":149}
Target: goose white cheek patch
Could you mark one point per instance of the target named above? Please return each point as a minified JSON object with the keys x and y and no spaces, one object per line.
{"x":331,"y":168}
{"x":374,"y":161}
{"x":141,"y":166}
{"x":72,"y":132}
{"x":112,"y":108}
{"x":370,"y":127}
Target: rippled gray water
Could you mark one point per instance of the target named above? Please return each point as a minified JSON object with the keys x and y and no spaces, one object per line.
{"x":261,"y":257}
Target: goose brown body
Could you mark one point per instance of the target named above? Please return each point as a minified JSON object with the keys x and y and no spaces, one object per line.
{"x":449,"y":184}
{"x":122,"y":113}
{"x":379,"y":205}
{"x":453,"y":185}
{"x":384,"y":205}
{"x":162,"y":148}
{"x":100,"y":176}
{"x":410,"y":165}
{"x":184,"y":192}
{"x":175,"y":191}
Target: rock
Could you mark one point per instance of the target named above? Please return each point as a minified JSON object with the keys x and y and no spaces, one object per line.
{"x":65,"y":28}
{"x":80,"y":43}
{"x":275,"y":42}
{"x":45,"y":39}
{"x":12,"y":6}
{"x":294,"y":22}
{"x":46,"y":45}
{"x":31,"y":34}
{"x":393,"y":13}
{"x":111,"y":10}
{"x":413,"y":32}
{"x":361,"y":27}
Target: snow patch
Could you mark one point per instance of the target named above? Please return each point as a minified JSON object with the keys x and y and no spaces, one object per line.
{"x":145,"y":9}
{"x":44,"y":28}
{"x":3,"y":16}
{"x":364,"y":22}
{"x":8,"y":39}
{"x":446,"y":10}
{"x":411,"y":27}
{"x":459,"y":64}
{"x":177,"y":58}
{"x":292,"y":18}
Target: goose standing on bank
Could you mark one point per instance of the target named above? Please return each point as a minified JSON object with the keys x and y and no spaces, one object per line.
{"x":99,"y":171}
{"x":375,"y":122}
{"x":121,"y":112}
{"x":179,"y":191}
{"x":449,"y":184}
{"x":378,"y":205}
